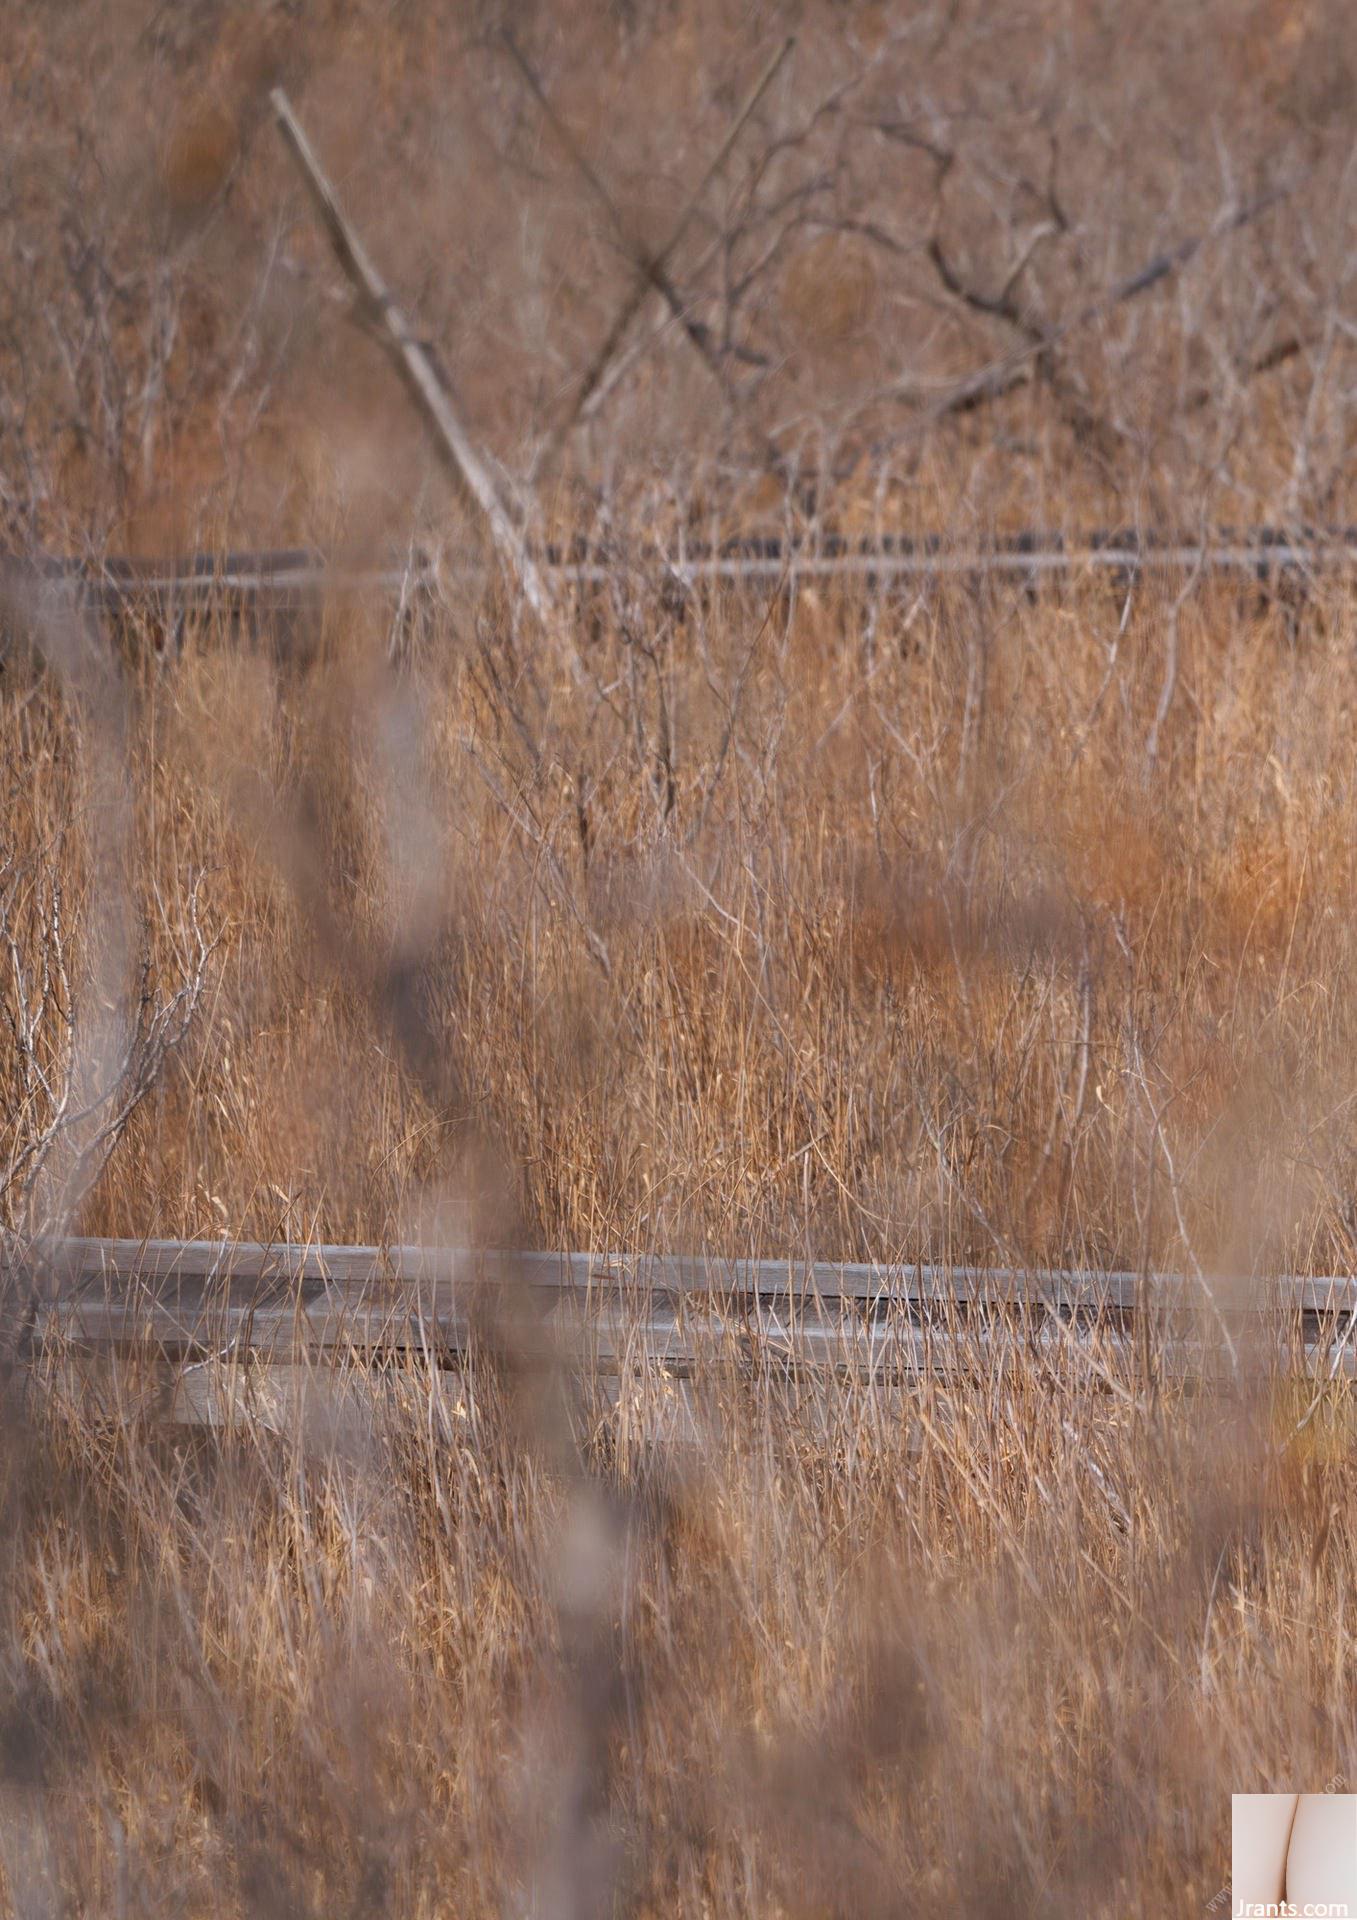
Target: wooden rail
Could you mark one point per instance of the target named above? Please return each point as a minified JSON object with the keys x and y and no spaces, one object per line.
{"x":285,"y":574}
{"x":186,"y":1301}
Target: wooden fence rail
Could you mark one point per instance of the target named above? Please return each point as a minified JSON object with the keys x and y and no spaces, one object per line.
{"x":1264,"y":552}
{"x":186,"y":1301}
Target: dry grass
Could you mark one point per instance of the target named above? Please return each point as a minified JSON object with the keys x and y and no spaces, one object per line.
{"x":859,"y":927}
{"x":852,"y":928}
{"x":946,"y":925}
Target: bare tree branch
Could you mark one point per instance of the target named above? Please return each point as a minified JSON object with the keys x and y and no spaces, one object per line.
{"x":412,"y":358}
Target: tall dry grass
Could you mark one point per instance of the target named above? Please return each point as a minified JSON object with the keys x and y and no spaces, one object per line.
{"x":959,"y":923}
{"x":852,"y":924}
{"x":858,"y":925}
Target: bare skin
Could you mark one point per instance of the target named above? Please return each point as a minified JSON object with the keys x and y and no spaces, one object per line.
{"x":1298,"y":1847}
{"x":1261,"y":1836}
{"x":1321,"y":1860}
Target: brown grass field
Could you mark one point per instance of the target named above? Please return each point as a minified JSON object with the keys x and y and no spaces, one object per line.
{"x":957,"y":922}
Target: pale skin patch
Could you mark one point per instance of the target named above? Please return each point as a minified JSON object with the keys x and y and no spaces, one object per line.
{"x":1298,"y":1847}
{"x":1260,"y":1837}
{"x":1321,"y":1860}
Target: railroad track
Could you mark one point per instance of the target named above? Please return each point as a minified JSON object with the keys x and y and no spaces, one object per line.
{"x":186,"y":1303}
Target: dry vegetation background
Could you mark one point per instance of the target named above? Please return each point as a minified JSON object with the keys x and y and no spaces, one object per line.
{"x":954,"y":921}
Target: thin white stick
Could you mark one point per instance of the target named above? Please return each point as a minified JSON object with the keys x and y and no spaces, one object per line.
{"x":465,"y":464}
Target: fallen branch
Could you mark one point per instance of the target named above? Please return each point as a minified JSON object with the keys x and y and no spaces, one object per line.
{"x":469,"y":473}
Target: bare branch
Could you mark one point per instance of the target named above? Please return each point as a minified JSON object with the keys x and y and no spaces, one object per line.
{"x":412,"y":358}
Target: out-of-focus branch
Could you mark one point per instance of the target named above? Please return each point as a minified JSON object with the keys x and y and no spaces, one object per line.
{"x":70,"y":1098}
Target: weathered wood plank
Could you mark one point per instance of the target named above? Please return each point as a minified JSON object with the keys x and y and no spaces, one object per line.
{"x":1264,"y":552}
{"x":190,"y":1301}
{"x":240,"y":1267}
{"x":615,"y":1343}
